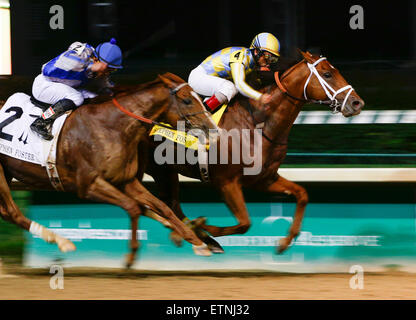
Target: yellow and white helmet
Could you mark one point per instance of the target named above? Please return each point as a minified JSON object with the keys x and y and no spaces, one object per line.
{"x":266,"y":42}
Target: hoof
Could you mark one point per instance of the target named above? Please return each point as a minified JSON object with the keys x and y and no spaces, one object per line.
{"x":201,"y":250}
{"x":129,"y":260}
{"x":213,"y":245}
{"x":176,"y":239}
{"x":283,"y":245}
{"x":216,"y":250}
{"x":67,"y":246}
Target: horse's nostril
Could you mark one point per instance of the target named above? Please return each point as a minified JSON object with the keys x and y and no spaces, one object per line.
{"x":356,"y":104}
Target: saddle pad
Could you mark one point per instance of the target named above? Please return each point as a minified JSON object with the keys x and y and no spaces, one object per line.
{"x":17,"y":140}
{"x":180,"y":137}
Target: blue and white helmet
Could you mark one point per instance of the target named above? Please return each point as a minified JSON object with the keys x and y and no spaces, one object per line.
{"x":109,"y":53}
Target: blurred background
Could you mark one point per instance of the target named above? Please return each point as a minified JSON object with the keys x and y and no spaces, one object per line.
{"x":379,"y":61}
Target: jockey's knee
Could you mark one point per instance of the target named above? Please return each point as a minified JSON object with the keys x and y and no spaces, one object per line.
{"x":78,"y":99}
{"x":222,"y":98}
{"x":228,"y":89}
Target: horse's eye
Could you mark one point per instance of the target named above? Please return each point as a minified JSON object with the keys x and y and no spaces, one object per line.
{"x":187,"y":101}
{"x":327,"y":75}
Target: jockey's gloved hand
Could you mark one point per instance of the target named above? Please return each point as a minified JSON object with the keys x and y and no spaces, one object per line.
{"x":106,"y":91}
{"x":266,"y":77}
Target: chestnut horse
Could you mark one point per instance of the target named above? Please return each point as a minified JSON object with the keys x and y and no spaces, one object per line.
{"x":314,"y":80}
{"x":98,"y":156}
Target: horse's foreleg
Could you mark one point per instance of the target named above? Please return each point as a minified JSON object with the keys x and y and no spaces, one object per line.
{"x":282,"y":185}
{"x":134,"y":243}
{"x":167,"y":184}
{"x":102,"y":191}
{"x":137,"y":191}
{"x":10,"y":212}
{"x":234,"y":198}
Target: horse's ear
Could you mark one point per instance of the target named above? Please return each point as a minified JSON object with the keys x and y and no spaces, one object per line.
{"x":301,"y":52}
{"x":307,"y":56}
{"x":166,"y":81}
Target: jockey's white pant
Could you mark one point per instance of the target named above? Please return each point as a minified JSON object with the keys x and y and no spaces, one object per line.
{"x":51,"y":92}
{"x":207,"y":85}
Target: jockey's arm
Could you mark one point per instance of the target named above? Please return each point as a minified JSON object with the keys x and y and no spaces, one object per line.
{"x":75,"y":60}
{"x":239,"y":78}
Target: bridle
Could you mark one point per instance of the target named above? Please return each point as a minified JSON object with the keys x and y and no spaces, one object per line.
{"x":333,"y":103}
{"x":173,"y":92}
{"x":331,"y":93}
{"x":185,"y":116}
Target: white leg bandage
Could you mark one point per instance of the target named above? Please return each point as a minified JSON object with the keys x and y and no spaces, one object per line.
{"x":40,"y":231}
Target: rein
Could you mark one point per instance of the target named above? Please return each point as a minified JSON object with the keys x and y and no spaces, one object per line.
{"x":150,"y":121}
{"x":140,"y":118}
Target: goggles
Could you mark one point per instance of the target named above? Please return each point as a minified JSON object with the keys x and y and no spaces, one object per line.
{"x":270,"y":58}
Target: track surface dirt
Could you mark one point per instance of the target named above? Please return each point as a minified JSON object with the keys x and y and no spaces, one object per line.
{"x":118,"y":284}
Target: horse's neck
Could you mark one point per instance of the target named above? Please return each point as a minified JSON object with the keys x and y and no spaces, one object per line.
{"x":146,"y":103}
{"x":281,"y":120}
{"x":149,"y":103}
{"x":285,"y":109}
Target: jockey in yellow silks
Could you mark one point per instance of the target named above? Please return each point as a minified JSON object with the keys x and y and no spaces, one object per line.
{"x":222,"y":75}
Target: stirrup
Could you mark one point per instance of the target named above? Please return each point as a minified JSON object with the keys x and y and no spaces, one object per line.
{"x":41,"y":129}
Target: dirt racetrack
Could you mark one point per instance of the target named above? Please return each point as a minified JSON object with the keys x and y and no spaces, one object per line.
{"x":98,"y":284}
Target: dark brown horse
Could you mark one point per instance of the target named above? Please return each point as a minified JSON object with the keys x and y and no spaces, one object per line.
{"x":313,"y":79}
{"x":98,"y":158}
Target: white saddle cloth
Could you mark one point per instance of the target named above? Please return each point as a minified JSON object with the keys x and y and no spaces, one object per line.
{"x":17,"y":140}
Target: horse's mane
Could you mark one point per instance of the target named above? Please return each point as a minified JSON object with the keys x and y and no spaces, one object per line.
{"x":123,"y":90}
{"x":262,"y":79}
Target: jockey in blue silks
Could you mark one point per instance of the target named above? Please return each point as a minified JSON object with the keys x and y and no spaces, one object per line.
{"x":63,"y":77}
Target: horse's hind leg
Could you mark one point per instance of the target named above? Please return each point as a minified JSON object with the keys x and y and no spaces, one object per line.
{"x":101,"y":190}
{"x":167,"y":183}
{"x":11,"y":212}
{"x":282,"y":185}
{"x":137,"y":191}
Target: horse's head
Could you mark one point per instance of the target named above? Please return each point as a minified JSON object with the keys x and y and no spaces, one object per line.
{"x":187,"y":106}
{"x":324,"y":84}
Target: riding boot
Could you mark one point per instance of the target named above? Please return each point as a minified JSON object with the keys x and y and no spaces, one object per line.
{"x":43,"y":124}
{"x":213,"y":103}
